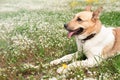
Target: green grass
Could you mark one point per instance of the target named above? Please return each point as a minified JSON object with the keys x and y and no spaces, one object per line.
{"x":38,"y":37}
{"x":111,"y":18}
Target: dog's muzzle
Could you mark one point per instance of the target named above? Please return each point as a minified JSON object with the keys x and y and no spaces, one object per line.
{"x":73,"y":32}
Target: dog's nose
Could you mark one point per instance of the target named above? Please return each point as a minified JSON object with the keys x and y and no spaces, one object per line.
{"x":65,"y":25}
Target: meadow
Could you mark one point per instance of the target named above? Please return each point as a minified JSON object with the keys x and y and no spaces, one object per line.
{"x":32,"y":35}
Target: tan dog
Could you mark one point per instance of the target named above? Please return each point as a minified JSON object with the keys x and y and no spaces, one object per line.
{"x":97,"y":41}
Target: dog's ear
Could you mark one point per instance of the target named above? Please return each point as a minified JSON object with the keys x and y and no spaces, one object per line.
{"x":96,"y":13}
{"x":88,"y":8}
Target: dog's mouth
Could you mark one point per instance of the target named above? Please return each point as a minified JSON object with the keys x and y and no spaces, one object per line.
{"x":75,"y":32}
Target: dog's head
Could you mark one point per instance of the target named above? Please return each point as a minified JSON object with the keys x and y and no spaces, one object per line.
{"x":84,"y":23}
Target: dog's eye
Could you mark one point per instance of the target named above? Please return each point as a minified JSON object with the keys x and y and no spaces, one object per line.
{"x":79,"y":19}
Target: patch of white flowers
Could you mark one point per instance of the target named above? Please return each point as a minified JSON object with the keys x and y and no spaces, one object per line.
{"x":28,"y":65}
{"x":22,"y":42}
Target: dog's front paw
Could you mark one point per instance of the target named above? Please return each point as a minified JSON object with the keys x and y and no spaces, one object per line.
{"x":55,"y":62}
{"x":62,"y":70}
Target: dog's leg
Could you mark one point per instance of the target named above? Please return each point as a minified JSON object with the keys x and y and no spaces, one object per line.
{"x":80,"y":64}
{"x":65,"y":58}
{"x":69,"y":57}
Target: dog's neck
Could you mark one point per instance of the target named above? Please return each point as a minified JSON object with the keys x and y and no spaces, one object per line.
{"x":88,"y":38}
{"x":98,"y":27}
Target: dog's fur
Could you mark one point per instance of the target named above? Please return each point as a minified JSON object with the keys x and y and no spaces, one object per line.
{"x":103,"y":44}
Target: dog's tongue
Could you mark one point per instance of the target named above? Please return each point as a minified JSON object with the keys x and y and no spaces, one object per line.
{"x":70,"y":34}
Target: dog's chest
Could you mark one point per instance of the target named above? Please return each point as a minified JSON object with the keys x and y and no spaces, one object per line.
{"x":92,"y":48}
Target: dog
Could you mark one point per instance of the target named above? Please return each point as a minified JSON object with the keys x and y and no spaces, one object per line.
{"x":98,"y":42}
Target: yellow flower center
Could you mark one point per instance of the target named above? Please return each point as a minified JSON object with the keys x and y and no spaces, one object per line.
{"x":91,"y":1}
{"x":64,"y":66}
